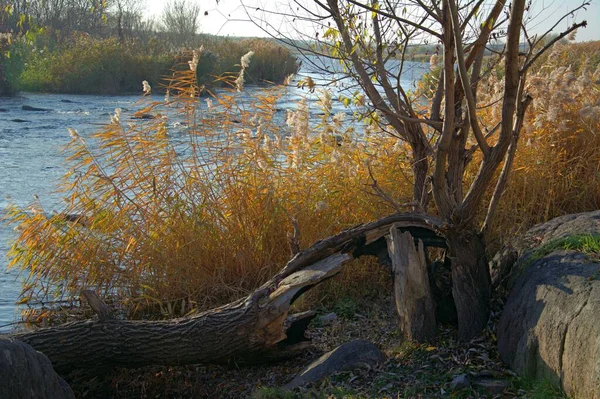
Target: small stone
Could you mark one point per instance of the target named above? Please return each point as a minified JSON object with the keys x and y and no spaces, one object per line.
{"x":349,"y":356}
{"x":35,"y":109}
{"x":327,"y":319}
{"x":492,"y":387}
{"x":459,"y":382}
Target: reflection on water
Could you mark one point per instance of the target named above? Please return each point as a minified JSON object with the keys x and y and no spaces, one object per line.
{"x":31,"y":141}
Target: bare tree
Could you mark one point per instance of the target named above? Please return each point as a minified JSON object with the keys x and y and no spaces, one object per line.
{"x":180,"y":18}
{"x":128,"y":17}
{"x":62,"y":16}
{"x":368,"y":36}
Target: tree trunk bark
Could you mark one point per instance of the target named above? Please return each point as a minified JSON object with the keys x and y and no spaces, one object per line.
{"x":255,"y":328}
{"x":414,"y":302}
{"x":471,"y":284}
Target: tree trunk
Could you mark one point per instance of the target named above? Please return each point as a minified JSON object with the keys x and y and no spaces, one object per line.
{"x":255,"y":328}
{"x":412,"y":293}
{"x":471,"y":284}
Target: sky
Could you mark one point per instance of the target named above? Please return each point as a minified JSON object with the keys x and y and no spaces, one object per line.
{"x":228,"y":17}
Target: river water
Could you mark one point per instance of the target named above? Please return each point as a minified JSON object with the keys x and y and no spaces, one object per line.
{"x":31,"y":161}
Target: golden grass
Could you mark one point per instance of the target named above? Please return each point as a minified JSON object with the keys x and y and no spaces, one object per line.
{"x":179,"y":220}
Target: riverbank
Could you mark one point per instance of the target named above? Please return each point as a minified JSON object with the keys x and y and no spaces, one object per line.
{"x":82,"y":64}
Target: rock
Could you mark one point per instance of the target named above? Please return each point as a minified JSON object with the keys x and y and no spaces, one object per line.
{"x":459,"y":382}
{"x":30,"y":108}
{"x":327,"y":319}
{"x":491,"y":387}
{"x":144,"y":116}
{"x":516,"y":254}
{"x":26,"y":373}
{"x":351,"y":355}
{"x":549,"y":328}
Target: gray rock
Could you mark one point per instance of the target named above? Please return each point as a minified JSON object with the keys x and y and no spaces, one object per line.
{"x":508,"y":264}
{"x":491,"y":387}
{"x":145,"y":116}
{"x":349,"y":356}
{"x":550,"y":325}
{"x":327,"y":319}
{"x":36,"y":109}
{"x":459,"y":382}
{"x":26,"y":373}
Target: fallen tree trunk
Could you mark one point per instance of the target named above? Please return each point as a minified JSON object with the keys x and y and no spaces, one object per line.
{"x":255,"y":328}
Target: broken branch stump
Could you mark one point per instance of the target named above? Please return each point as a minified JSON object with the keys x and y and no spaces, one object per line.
{"x":414,"y":302}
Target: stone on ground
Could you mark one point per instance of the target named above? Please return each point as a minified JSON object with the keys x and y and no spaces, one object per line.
{"x":349,"y":356}
{"x":26,"y":373}
{"x":459,"y":382}
{"x":327,"y":319}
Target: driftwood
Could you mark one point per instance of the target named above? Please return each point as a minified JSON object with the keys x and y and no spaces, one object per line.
{"x":255,"y":328}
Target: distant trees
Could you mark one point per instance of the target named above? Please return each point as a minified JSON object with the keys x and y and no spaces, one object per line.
{"x":121,"y":18}
{"x":61,"y":18}
{"x":180,"y":19}
{"x":66,"y":15}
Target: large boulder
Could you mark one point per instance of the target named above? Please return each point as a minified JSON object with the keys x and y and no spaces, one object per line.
{"x":28,"y":374}
{"x":550,"y":326}
{"x":508,"y":263}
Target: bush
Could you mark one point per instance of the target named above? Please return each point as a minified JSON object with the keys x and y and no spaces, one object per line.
{"x":11,"y":64}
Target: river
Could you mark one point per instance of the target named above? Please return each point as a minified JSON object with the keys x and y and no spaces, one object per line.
{"x":31,"y":161}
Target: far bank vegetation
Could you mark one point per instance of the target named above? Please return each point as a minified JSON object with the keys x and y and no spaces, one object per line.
{"x":109,"y":48}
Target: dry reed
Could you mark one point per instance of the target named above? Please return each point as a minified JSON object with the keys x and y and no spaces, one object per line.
{"x":184,"y":219}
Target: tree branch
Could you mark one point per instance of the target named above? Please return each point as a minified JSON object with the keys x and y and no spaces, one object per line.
{"x":551,"y":43}
{"x":395,"y":17}
{"x":506,"y":169}
{"x":464,"y":77}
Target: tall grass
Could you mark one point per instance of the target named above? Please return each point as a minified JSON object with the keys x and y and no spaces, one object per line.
{"x":87,"y":64}
{"x":84,"y":64}
{"x":182,"y":219}
{"x":557,"y":168}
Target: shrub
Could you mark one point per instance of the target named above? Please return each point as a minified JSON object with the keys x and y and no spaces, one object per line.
{"x":11,"y":63}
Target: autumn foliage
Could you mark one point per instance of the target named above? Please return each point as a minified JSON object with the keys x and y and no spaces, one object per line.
{"x":199,"y":206}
